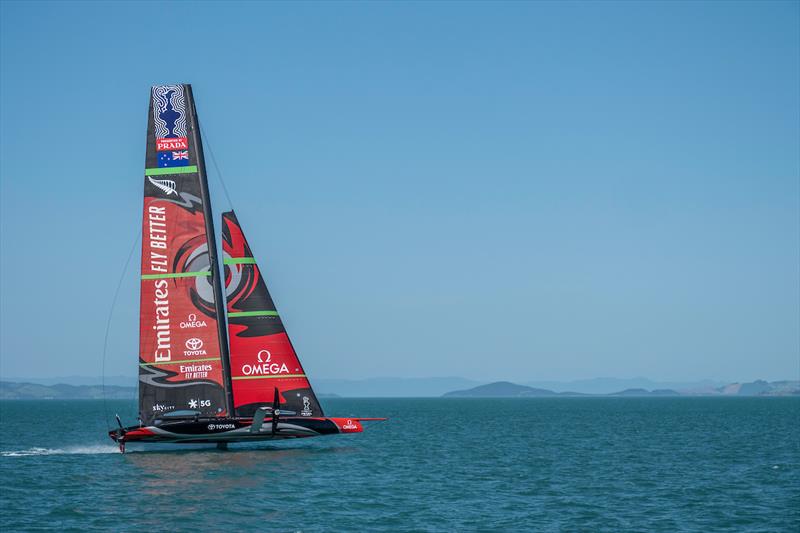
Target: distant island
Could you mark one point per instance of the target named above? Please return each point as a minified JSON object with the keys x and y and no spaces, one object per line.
{"x":506,"y":389}
{"x":31,"y":391}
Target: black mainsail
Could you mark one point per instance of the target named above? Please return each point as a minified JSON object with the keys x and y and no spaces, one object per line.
{"x":183,"y":338}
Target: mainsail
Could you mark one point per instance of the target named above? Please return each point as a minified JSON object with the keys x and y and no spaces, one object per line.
{"x":182,"y":347}
{"x":261,"y":355}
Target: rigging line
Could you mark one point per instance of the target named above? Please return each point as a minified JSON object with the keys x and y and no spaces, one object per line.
{"x":207,"y":142}
{"x":108,"y":322}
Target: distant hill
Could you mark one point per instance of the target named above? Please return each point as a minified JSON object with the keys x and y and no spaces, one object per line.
{"x":761,"y":388}
{"x":645,"y":392}
{"x":609,"y":385}
{"x":392,"y":387}
{"x":33,"y":391}
{"x":501,"y":389}
{"x":122,"y":381}
{"x":506,"y":389}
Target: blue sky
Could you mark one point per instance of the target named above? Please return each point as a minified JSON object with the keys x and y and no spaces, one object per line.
{"x":513,"y":191}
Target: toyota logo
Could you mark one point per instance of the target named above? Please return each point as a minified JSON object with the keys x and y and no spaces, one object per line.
{"x":194,"y":343}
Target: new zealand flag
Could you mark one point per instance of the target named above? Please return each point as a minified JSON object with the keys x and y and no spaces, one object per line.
{"x":173,"y":159}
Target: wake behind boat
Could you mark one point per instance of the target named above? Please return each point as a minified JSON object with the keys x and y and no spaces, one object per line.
{"x":208,"y":372}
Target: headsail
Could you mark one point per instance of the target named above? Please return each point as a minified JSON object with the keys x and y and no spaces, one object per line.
{"x":180,"y":363}
{"x":261,"y":354}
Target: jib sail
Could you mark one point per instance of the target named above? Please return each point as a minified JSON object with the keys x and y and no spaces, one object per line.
{"x":261,"y":356}
{"x":181,"y":356}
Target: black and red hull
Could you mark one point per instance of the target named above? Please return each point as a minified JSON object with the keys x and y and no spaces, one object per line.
{"x":225,"y":430}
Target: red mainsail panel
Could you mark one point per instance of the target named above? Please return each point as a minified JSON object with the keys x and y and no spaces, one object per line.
{"x":261,"y":355}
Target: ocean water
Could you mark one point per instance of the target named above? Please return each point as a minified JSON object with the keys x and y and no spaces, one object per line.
{"x":575,"y":464}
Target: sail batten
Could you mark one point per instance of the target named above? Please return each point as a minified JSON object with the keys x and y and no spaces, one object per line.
{"x":252,"y":313}
{"x":176,"y":275}
{"x":165,"y":171}
{"x":240,"y":261}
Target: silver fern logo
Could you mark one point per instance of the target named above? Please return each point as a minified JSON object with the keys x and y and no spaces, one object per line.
{"x":168,"y":186}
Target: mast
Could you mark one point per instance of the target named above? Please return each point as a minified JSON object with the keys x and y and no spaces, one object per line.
{"x":216,"y":279}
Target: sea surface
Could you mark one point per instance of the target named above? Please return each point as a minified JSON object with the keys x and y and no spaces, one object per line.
{"x":566,"y":464}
